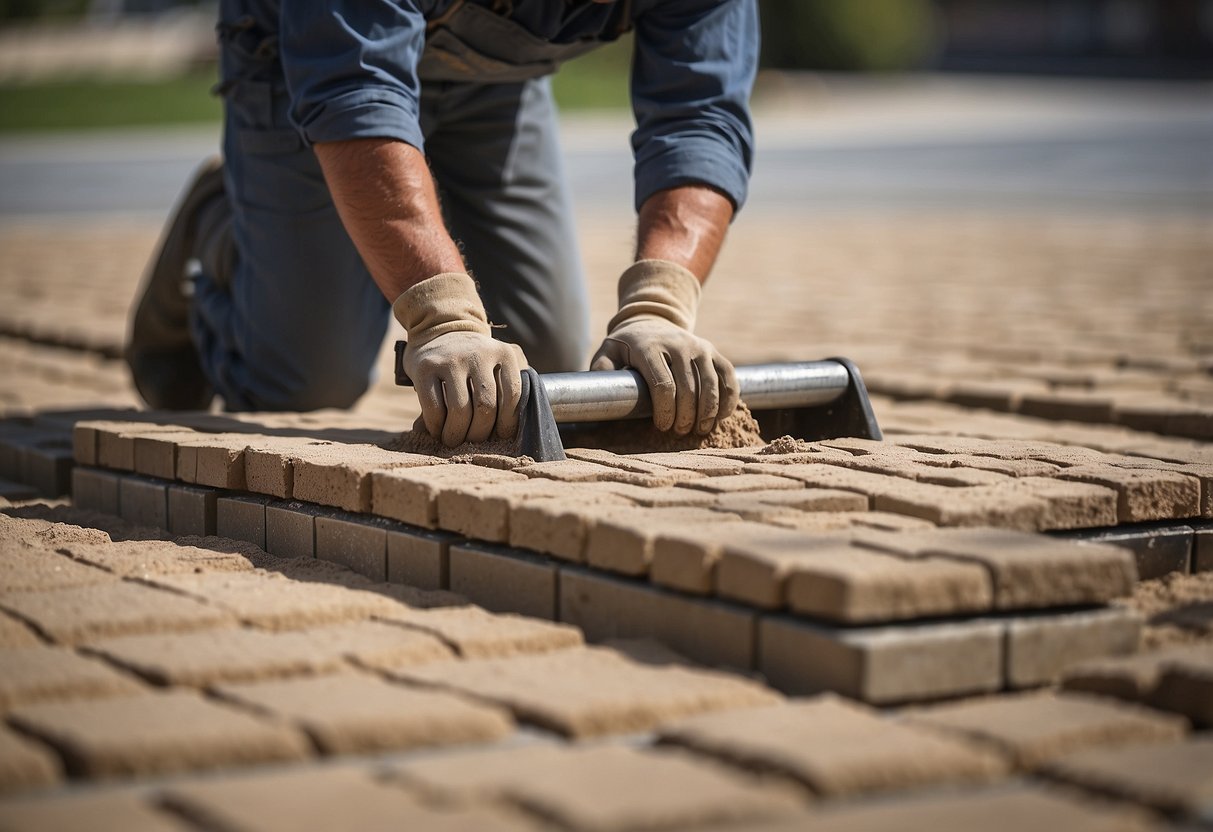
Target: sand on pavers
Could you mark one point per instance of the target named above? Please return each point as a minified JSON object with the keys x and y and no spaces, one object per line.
{"x":38,"y":674}
{"x":802,"y":499}
{"x":115,"y":608}
{"x":836,"y":747}
{"x":605,"y":787}
{"x":316,"y":800}
{"x":24,"y":569}
{"x":278,"y":603}
{"x":47,"y":530}
{"x":1035,"y":728}
{"x":1011,"y":809}
{"x":591,"y":691}
{"x":739,"y":430}
{"x":711,"y":466}
{"x":136,"y":559}
{"x":196,"y":659}
{"x":475,"y":633}
{"x":25,"y":763}
{"x":350,"y":713}
{"x":1175,"y":778}
{"x":155,"y":733}
{"x":371,"y":642}
{"x":47,"y":526}
{"x":102,"y":812}
{"x":627,"y":463}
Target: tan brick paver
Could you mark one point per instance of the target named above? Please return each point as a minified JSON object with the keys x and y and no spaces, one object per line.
{"x":25,"y":763}
{"x":591,"y":691}
{"x":1038,"y":727}
{"x":1175,"y":778}
{"x":277,"y":604}
{"x":836,"y":747}
{"x":357,"y":714}
{"x":605,"y":787}
{"x":314,"y":800}
{"x":38,"y":674}
{"x":131,"y":736}
{"x":995,"y":810}
{"x":106,"y":812}
{"x":24,"y":569}
{"x":113,"y":608}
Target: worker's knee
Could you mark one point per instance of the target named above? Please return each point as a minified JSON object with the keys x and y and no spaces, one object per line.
{"x":316,"y":389}
{"x":291,"y":374}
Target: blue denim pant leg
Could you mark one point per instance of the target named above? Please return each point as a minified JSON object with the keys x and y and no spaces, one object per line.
{"x":494,"y":153}
{"x":299,"y":323}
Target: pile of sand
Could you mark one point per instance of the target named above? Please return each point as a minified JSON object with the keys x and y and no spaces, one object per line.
{"x":632,"y":436}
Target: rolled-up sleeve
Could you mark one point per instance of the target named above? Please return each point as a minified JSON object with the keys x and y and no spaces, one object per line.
{"x":351,"y":68}
{"x":692,"y":73}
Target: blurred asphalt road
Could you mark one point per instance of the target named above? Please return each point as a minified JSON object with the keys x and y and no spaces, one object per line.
{"x":826,"y":144}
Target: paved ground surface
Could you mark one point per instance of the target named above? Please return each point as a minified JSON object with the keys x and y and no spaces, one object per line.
{"x":290,"y":627}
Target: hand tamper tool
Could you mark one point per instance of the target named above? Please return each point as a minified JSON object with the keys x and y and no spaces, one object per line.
{"x":808,"y":400}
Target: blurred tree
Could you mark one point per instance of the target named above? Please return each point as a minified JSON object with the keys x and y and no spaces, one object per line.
{"x":871,"y":35}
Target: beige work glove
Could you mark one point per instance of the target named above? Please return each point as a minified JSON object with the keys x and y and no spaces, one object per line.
{"x":692,"y":385}
{"x":469,"y":384}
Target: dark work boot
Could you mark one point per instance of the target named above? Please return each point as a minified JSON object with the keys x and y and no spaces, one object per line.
{"x":164,"y":362}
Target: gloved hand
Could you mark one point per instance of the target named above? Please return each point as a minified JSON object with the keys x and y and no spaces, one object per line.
{"x":692,"y":385}
{"x":469,"y":384}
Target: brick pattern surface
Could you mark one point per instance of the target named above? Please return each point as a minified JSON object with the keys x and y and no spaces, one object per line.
{"x":996,"y":810}
{"x":27,"y":569}
{"x":324,"y":799}
{"x":13,"y":633}
{"x":836,"y":748}
{"x":155,"y":733}
{"x":88,"y":813}
{"x":591,"y":691}
{"x":276,"y":604}
{"x":1176,"y":778}
{"x":604,"y":787}
{"x":768,"y":530}
{"x":1177,"y":679}
{"x":999,"y":420}
{"x":355,"y":714}
{"x":39,"y":674}
{"x":25,"y":764}
{"x":1035,"y":728}
{"x":113,"y":608}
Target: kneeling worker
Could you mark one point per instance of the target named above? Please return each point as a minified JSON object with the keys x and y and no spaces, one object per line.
{"x":363,"y":138}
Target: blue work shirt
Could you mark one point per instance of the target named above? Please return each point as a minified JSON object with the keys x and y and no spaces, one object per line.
{"x":351,"y":70}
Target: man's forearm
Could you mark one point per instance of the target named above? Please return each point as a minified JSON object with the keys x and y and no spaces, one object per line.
{"x":685,"y":225}
{"x":387,"y":202}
